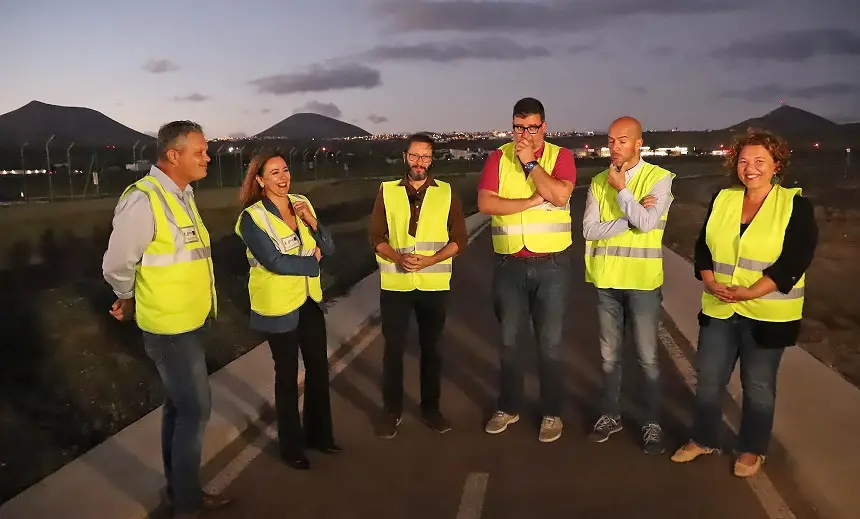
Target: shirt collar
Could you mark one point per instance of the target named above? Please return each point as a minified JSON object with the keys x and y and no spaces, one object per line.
{"x":167,"y":183}
{"x":635,"y":169}
{"x":431,"y":182}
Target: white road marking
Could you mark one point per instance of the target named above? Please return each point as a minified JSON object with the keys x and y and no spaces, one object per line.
{"x":762,"y":486}
{"x":228,"y":474}
{"x":472,"y":501}
{"x":270,"y":432}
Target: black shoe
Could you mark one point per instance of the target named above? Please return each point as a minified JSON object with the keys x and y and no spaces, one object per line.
{"x":328,"y":448}
{"x":652,"y":439}
{"x":435,"y":421}
{"x":297,"y":461}
{"x":605,"y":427}
{"x":386,"y":428}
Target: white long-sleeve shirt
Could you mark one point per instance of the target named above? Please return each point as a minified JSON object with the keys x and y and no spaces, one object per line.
{"x":634,"y":214}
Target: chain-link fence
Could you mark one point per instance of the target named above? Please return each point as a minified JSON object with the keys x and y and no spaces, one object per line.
{"x":31,"y":174}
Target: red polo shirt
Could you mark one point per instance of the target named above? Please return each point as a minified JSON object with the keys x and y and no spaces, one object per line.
{"x":564,"y":169}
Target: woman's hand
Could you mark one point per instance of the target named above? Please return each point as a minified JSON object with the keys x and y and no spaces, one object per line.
{"x":741,"y":293}
{"x":303,"y":211}
{"x":720,"y":291}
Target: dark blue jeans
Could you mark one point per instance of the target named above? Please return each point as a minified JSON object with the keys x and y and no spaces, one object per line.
{"x":722,"y":342}
{"x":641,"y":309}
{"x":532,"y":291}
{"x":181,"y":363}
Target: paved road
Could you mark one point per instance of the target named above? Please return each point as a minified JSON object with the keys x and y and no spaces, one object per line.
{"x":466,"y":473}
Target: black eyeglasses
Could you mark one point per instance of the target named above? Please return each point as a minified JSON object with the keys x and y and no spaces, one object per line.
{"x":533,"y":129}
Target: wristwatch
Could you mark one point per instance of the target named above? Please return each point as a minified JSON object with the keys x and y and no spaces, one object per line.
{"x":528,"y":166}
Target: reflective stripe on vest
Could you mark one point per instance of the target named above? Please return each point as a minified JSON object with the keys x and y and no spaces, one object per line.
{"x":276,"y":294}
{"x":632,"y":260}
{"x":431,"y":237}
{"x":541,"y":229}
{"x":741,"y":260}
{"x":174,"y":282}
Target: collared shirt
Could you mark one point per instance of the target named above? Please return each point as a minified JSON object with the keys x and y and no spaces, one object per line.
{"x":133,"y":231}
{"x":564,"y":169}
{"x":456,"y":220}
{"x":273,"y":260}
{"x":634,"y":213}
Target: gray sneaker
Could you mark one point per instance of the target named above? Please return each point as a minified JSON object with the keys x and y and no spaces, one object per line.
{"x":550,"y":429}
{"x":652,"y":439}
{"x":500,"y":421}
{"x":605,"y":427}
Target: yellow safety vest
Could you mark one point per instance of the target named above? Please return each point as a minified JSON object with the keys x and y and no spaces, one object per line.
{"x":277,"y":294}
{"x":174,"y":283}
{"x":541,"y":229}
{"x":632,"y":260}
{"x":740,"y":260}
{"x":431,"y":236}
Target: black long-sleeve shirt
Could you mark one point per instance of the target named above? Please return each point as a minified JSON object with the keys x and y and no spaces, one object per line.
{"x":798,"y":249}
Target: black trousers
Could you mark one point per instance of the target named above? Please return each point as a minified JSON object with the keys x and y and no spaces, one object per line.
{"x":396,"y":310}
{"x":310,"y":338}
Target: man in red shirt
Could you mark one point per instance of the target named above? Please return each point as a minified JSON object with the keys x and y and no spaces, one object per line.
{"x":526,"y":187}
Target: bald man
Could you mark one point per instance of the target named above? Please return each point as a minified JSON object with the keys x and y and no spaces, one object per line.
{"x":625,"y":215}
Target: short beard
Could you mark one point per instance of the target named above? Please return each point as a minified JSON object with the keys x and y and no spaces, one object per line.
{"x":416,"y":176}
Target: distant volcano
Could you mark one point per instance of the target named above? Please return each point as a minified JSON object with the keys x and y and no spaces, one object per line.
{"x":787,"y":119}
{"x":35,"y":122}
{"x":312,"y":126}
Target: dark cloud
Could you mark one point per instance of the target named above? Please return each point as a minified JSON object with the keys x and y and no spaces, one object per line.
{"x":327,"y":109}
{"x":794,"y":45}
{"x":265,"y":111}
{"x":560,"y":16}
{"x":159,"y":66}
{"x":491,"y":48}
{"x":377,"y":119}
{"x":663,"y":50}
{"x":773,"y":92}
{"x":320,"y":79}
{"x":238,"y":135}
{"x":196,"y":97}
{"x":640,"y":90}
{"x":580,"y":48}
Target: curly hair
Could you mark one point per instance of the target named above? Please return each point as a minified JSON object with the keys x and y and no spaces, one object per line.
{"x":774,"y":144}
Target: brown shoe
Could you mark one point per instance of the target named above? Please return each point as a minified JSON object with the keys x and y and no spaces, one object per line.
{"x":743,"y":469}
{"x":691,"y":451}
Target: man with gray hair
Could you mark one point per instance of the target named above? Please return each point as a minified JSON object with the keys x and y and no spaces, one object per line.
{"x":159,"y":264}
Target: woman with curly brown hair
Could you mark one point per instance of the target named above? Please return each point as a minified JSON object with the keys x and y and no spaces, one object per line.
{"x":285,"y":243}
{"x":752,"y":254}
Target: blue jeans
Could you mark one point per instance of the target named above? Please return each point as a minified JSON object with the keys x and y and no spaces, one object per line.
{"x":532,"y":290}
{"x":641,"y":308}
{"x":722,"y":342}
{"x":181,"y":363}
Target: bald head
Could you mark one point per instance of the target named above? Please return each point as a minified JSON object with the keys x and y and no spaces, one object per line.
{"x":628,"y":126}
{"x":625,"y":141}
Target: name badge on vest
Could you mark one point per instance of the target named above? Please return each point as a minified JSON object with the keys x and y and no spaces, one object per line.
{"x":190,"y":234}
{"x":291,"y":242}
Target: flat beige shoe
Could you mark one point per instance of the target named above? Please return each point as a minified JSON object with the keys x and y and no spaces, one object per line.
{"x":691,"y":451}
{"x":742,"y":470}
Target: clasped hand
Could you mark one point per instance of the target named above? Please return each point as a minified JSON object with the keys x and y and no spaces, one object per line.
{"x":727,"y":294}
{"x":415,"y":262}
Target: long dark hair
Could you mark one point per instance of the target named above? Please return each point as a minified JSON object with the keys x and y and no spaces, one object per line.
{"x":251,"y":192}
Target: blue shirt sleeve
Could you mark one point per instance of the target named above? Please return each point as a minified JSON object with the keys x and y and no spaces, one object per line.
{"x":265,"y":252}
{"x":324,"y":239}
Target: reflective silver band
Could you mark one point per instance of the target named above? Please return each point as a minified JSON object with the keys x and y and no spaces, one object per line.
{"x":624,"y":252}
{"x":794,"y":293}
{"x":532,"y":228}
{"x":183,"y":256}
{"x":439,"y":268}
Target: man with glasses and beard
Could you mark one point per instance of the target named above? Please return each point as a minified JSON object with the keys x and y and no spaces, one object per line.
{"x":526,"y":187}
{"x":417,"y":227}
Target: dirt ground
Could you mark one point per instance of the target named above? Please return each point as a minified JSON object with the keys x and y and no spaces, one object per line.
{"x":831,"y":326}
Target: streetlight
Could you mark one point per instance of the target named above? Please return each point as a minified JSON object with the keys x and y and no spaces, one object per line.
{"x":220,"y":172}
{"x":133,"y":154}
{"x":48,"y":156}
{"x":69,"y":166}
{"x":24,"y":170}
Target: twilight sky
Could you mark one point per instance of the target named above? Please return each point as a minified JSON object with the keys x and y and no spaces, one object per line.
{"x":407,"y":65}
